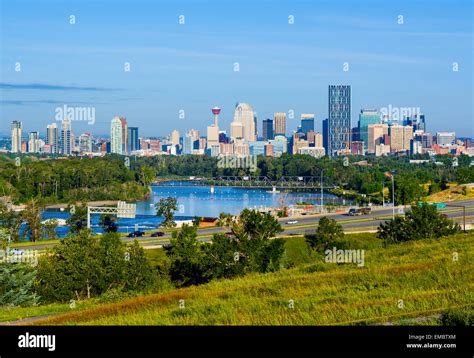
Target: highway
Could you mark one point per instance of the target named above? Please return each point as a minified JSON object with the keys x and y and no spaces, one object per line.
{"x":308,"y":223}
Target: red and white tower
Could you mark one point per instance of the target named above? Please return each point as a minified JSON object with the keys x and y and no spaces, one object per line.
{"x":216,"y":111}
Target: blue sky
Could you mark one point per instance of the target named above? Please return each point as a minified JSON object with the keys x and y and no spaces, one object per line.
{"x":190,"y":67}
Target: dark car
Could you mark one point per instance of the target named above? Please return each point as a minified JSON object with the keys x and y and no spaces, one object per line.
{"x":136,"y":234}
{"x":157,"y":234}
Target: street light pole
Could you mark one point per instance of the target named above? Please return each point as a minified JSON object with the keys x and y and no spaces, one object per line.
{"x":393,"y":198}
{"x":322,"y":194}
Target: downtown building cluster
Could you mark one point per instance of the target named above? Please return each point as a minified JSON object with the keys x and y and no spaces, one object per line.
{"x":388,"y":131}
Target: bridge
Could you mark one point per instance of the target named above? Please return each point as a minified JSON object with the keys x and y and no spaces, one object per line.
{"x":284,"y":182}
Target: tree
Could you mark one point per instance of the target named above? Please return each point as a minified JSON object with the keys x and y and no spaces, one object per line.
{"x":421,"y":222}
{"x":186,"y":257}
{"x":254,"y":232}
{"x":225,"y":220}
{"x":407,"y":190}
{"x":32,"y":216}
{"x":326,"y":235}
{"x":166,"y":207}
{"x":223,"y":259}
{"x":138,"y":272}
{"x":17,"y":285}
{"x":108,"y":223}
{"x":49,"y":229}
{"x":78,"y":219}
{"x":82,"y":266}
{"x":10,"y":222}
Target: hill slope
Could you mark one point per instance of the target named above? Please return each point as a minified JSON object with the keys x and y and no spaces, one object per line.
{"x":414,"y":279}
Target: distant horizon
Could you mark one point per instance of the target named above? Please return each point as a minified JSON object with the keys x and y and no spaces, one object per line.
{"x":152,"y":62}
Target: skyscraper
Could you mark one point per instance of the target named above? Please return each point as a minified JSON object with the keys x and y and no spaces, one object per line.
{"x":123,"y":120}
{"x":66,"y":137}
{"x":16,"y":136}
{"x":116,"y":140}
{"x":33,"y":142}
{"x":132,"y":138}
{"x":307,"y":123}
{"x":244,"y":115}
{"x":268,"y":129}
{"x":339,"y":120}
{"x":366,"y":117}
{"x":52,"y":137}
{"x":280,"y":123}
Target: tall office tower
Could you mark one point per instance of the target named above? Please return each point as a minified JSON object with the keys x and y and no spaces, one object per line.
{"x":133,"y":142}
{"x":195,"y":138}
{"x":268,"y":129}
{"x":213,"y":130}
{"x":280,"y":123}
{"x":66,"y":137}
{"x":366,"y":117}
{"x":188,"y":143}
{"x":339,"y":121}
{"x":445,"y":138}
{"x":318,"y":140}
{"x":307,"y":123}
{"x":124,"y":123}
{"x":376,"y":136}
{"x":244,"y":115}
{"x":33,"y":142}
{"x":52,"y":137}
{"x":85,"y":143}
{"x":116,"y":139}
{"x":400,"y":137}
{"x":16,"y":136}
{"x":255,"y":126}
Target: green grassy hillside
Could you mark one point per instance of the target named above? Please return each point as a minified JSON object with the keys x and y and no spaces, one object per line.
{"x":410,"y":280}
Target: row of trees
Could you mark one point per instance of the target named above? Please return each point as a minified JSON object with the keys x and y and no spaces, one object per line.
{"x":116,"y":177}
{"x":423,"y":221}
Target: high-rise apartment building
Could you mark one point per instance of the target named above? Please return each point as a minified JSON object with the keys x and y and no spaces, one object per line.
{"x":116,"y":139}
{"x":52,"y":137}
{"x":85,"y":143}
{"x":339,"y":119}
{"x":16,"y":136}
{"x":33,"y":142}
{"x":66,"y":137}
{"x":279,"y":123}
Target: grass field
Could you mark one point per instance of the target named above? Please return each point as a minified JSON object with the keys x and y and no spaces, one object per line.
{"x":411,"y":280}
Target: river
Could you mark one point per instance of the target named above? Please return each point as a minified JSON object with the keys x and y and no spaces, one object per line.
{"x":198,"y":200}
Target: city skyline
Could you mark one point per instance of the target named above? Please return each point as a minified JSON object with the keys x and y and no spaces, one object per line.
{"x":179,"y":71}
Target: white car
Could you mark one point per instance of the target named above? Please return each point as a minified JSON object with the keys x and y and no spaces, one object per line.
{"x":292,"y":222}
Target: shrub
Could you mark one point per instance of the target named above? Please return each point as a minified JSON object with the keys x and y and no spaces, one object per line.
{"x":458,"y":317}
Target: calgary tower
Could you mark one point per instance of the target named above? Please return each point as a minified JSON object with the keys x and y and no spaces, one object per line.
{"x":216,"y":111}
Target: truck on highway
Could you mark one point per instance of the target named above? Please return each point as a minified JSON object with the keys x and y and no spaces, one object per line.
{"x":359,"y":211}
